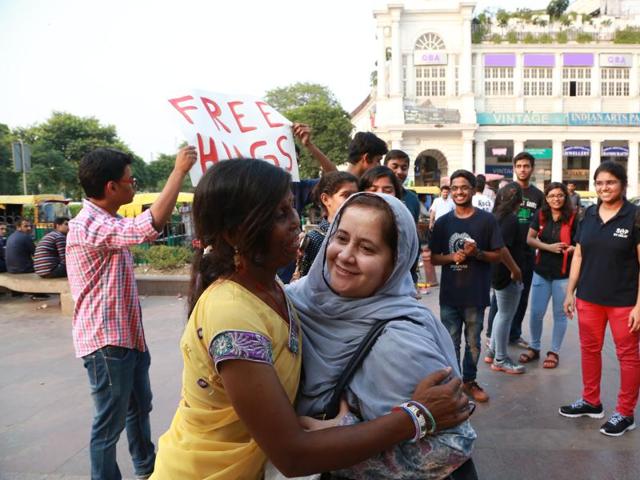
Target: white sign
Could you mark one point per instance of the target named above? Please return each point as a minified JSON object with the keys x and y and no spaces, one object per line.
{"x":223,"y":127}
{"x":616,"y":60}
{"x":429,"y":57}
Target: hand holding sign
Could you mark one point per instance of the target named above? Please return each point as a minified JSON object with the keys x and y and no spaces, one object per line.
{"x":224,"y":127}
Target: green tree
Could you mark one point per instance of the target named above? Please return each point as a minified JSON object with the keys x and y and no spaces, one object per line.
{"x":557,"y":7}
{"x":316,"y":106}
{"x":10,"y":183}
{"x":160,"y":169}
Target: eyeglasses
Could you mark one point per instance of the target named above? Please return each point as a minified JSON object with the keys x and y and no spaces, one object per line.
{"x":132,"y":181}
{"x":462,"y":188}
{"x":559,"y":196}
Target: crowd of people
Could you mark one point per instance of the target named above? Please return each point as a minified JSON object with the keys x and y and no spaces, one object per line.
{"x":354,"y":375}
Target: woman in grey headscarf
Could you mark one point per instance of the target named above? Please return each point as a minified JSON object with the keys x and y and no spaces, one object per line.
{"x":361,"y":276}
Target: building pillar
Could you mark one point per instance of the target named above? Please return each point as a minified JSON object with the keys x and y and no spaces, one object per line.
{"x":594,"y":162}
{"x":464,"y":70}
{"x":467,"y":151}
{"x":632,"y":169}
{"x":480,"y":156}
{"x":556,"y":161}
{"x":518,"y":74}
{"x":518,"y":146}
{"x":382,"y":64}
{"x":396,"y":53}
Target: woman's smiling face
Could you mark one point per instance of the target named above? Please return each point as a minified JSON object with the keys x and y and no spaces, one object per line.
{"x":359,"y":260}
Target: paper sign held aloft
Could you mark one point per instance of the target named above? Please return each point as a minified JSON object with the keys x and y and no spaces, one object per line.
{"x":223,"y":126}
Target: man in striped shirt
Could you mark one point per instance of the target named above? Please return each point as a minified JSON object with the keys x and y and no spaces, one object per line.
{"x":107,"y":321}
{"x":49,"y":259}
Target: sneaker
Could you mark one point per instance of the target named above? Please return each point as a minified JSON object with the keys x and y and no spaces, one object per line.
{"x":617,"y":425}
{"x":580,"y":408}
{"x":520,"y":342}
{"x":507,"y":365}
{"x":475,"y":391}
{"x":489,"y":355}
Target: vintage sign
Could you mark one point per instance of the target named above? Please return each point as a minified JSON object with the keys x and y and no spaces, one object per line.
{"x":224,"y":126}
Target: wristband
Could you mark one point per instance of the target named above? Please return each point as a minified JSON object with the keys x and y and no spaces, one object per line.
{"x":417,"y":418}
{"x":428,"y":416}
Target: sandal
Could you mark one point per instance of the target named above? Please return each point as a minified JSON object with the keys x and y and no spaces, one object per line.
{"x":551,"y":361}
{"x":529,"y":356}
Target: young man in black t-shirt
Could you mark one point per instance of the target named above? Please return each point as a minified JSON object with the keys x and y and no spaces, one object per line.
{"x":465,"y":241}
{"x":532,"y":197}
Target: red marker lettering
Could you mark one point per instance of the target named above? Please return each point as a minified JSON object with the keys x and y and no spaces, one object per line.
{"x":210,"y":157}
{"x":261,"y":106}
{"x":229,"y":155}
{"x":238,"y":116}
{"x":262,"y":143}
{"x":284,"y":152}
{"x":176,"y":104}
{"x":214,"y":112}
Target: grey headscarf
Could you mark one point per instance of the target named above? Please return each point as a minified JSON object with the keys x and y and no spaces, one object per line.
{"x":333,"y":327}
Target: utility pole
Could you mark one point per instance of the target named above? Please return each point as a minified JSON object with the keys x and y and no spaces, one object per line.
{"x":24,"y":169}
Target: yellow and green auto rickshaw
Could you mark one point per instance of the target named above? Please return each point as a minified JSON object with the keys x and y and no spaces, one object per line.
{"x":44,"y":209}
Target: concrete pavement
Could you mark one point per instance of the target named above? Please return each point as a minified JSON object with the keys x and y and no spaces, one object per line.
{"x":46,"y":409}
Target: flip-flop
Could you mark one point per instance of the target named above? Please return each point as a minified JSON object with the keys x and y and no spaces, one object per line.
{"x":529,"y":356}
{"x":551,"y":361}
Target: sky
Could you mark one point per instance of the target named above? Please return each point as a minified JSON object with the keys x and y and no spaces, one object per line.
{"x":120,"y":60}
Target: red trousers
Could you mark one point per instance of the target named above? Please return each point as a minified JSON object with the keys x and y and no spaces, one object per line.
{"x":592,"y":322}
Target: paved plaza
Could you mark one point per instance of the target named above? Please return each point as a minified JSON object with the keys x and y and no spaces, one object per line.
{"x":45,"y":407}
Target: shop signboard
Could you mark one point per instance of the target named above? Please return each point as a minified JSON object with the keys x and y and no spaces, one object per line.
{"x":506,"y":170}
{"x":540,"y":153}
{"x":576,"y":174}
{"x":429,"y":57}
{"x":616,"y":60}
{"x":571,"y":119}
{"x":615,"y":151}
{"x":499,"y":151}
{"x":577,"y":151}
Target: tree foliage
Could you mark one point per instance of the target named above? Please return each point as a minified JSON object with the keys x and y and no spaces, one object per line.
{"x":557,"y":7}
{"x":316,"y":106}
{"x":10,"y":183}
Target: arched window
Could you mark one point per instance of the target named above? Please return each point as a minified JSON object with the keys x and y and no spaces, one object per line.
{"x":429,"y":41}
{"x":430,"y":66}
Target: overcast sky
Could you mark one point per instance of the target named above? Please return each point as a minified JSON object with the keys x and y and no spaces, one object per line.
{"x":119,"y":60}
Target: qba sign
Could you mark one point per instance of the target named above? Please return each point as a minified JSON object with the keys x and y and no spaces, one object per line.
{"x":429,"y":57}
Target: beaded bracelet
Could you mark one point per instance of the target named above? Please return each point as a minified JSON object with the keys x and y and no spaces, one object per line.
{"x":427,"y":414}
{"x":418,"y":420}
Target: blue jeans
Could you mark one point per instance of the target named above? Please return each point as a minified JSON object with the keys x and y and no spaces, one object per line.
{"x":454,"y":318}
{"x":507,"y":301}
{"x":121,"y":392}
{"x":541,"y":290}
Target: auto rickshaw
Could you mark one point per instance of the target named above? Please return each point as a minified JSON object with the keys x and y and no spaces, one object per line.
{"x":46,"y":208}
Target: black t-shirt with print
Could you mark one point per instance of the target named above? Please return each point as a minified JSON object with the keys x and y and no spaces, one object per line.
{"x":466,"y":284}
{"x":609,"y":269}
{"x":549,"y":265}
{"x":532,"y":198}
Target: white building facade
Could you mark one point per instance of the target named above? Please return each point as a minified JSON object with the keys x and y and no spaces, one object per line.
{"x":450,"y":103}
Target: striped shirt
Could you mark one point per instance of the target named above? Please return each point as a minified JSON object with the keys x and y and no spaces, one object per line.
{"x":49,"y":253}
{"x":103,"y":285}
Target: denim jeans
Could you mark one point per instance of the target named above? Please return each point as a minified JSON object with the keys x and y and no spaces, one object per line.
{"x":121,"y":392}
{"x":516,"y":323}
{"x":507,"y":301}
{"x":541,"y":291}
{"x":472,"y":318}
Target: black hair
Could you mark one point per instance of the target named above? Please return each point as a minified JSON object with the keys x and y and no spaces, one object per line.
{"x":470,"y":177}
{"x":507,"y":198}
{"x":389,"y":226}
{"x":371,"y":175}
{"x":99,"y":167}
{"x":236,"y":198}
{"x":330,"y":183}
{"x":396,"y":155}
{"x":525,"y":156}
{"x":481,"y":181}
{"x":445,"y":187}
{"x":60,"y":220}
{"x":615,"y":169}
{"x":567,"y":208}
{"x":365,"y":142}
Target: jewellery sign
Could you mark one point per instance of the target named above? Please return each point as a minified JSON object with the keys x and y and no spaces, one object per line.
{"x":234,"y":126}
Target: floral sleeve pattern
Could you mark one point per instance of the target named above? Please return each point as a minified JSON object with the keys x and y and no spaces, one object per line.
{"x":240,"y":345}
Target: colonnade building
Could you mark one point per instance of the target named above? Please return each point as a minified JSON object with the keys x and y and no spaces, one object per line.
{"x":451,"y":103}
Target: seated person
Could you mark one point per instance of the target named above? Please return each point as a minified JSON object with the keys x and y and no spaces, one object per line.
{"x":49,"y":260}
{"x":361,"y":277}
{"x":20,"y":248}
{"x":3,"y":234}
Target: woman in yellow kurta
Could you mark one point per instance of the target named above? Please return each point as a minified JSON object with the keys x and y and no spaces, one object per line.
{"x":241,"y":348}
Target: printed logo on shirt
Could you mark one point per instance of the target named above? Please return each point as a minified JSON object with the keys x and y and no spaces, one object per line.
{"x":621,"y":233}
{"x":456,"y":243}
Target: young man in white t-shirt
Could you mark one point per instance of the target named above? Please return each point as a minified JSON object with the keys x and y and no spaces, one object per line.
{"x":479,"y":199}
{"x":440,"y":206}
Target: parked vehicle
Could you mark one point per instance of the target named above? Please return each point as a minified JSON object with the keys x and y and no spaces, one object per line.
{"x":45,"y":207}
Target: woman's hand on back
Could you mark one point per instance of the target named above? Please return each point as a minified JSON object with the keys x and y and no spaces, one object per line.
{"x":446,"y":401}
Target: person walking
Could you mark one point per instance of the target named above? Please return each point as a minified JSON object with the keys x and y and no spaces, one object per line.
{"x":506,"y":278}
{"x":552,"y":234}
{"x":49,"y":259}
{"x":605,"y":271}
{"x":465,"y":241}
{"x":107,"y":324}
